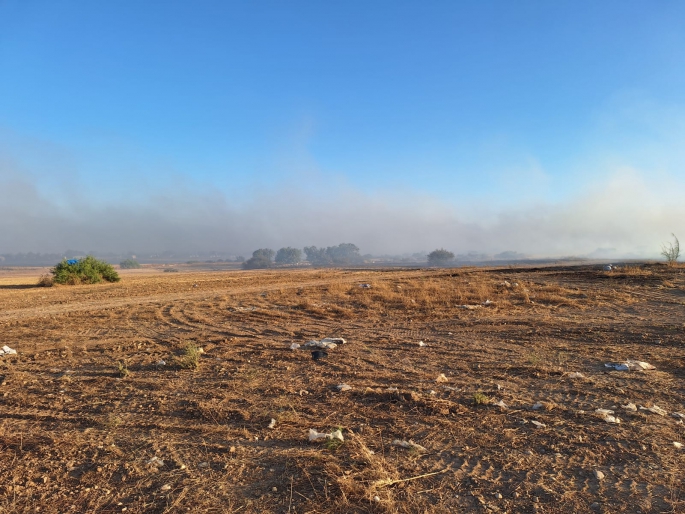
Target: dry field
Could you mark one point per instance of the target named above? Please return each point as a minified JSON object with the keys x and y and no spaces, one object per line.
{"x":89,"y":422}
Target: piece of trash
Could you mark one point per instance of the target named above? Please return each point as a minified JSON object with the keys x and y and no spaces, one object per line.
{"x":409,"y":445}
{"x":319,"y":354}
{"x":442,"y":378}
{"x":501,"y":404}
{"x":272,"y":424}
{"x":604,"y":412}
{"x":470,"y":307}
{"x":608,"y":267}
{"x":365,"y":286}
{"x":506,"y":284}
{"x":294,"y":346}
{"x":343,"y":387}
{"x":432,"y":393}
{"x":327,"y":343}
{"x":303,"y":392}
{"x":538,"y":406}
{"x":677,"y":444}
{"x":165,"y":487}
{"x":156,"y":462}
{"x":335,"y":434}
{"x":392,"y":389}
{"x":629,"y":365}
{"x":6,"y":350}
{"x":160,"y":363}
{"x":203,"y":465}
{"x":335,"y":340}
{"x":422,"y":344}
{"x":538,"y":424}
{"x":678,"y":415}
{"x":655,"y":409}
{"x":576,"y":374}
{"x":599,"y":475}
{"x":377,"y":499}
{"x":611,"y":419}
{"x":630,"y":406}
{"x":487,"y":303}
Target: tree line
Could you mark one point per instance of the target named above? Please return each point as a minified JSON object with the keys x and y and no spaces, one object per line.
{"x":341,"y":255}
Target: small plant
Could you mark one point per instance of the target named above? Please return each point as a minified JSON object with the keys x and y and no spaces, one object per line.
{"x":129,"y":264}
{"x":46,"y":281}
{"x":672,"y":251}
{"x":123,"y":369}
{"x":481,"y":399}
{"x":88,"y":270}
{"x":190,"y":358}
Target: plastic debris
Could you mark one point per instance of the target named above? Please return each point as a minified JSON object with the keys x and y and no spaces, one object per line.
{"x":611,"y":419}
{"x":160,"y":363}
{"x":677,"y":444}
{"x":422,"y":344}
{"x":630,"y":406}
{"x":442,"y":378}
{"x":599,"y":475}
{"x":501,"y":404}
{"x":538,"y":406}
{"x":327,"y":343}
{"x":392,"y":389}
{"x":488,"y":303}
{"x":294,"y":346}
{"x":678,"y":415}
{"x":655,"y":409}
{"x":608,"y":267}
{"x":604,"y":412}
{"x":335,"y":434}
{"x":629,"y":365}
{"x":538,"y":424}
{"x":272,"y":424}
{"x":409,"y":445}
{"x":6,"y":350}
{"x":165,"y":487}
{"x":343,"y":387}
{"x":203,"y":465}
{"x":576,"y":374}
{"x":470,"y":307}
{"x":319,"y":354}
{"x":156,"y":462}
{"x":365,"y":286}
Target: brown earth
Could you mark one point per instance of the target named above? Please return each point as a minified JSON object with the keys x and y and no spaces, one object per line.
{"x":84,"y":407}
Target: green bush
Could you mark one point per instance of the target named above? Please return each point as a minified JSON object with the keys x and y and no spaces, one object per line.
{"x":84,"y":271}
{"x":129,"y":264}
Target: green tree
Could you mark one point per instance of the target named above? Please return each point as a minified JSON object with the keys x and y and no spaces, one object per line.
{"x":260,"y":259}
{"x":129,"y":264}
{"x":440,"y":257}
{"x":288,"y":255}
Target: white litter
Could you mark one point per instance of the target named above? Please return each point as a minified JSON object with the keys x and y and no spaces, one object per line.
{"x":607,"y":267}
{"x":336,"y":340}
{"x":630,"y":406}
{"x":599,"y":475}
{"x":203,"y":465}
{"x":442,"y":378}
{"x":576,"y":374}
{"x":409,"y":445}
{"x":327,"y":343}
{"x":156,"y":462}
{"x":392,"y":389}
{"x":422,"y":344}
{"x":6,"y":350}
{"x":160,"y":363}
{"x":678,"y":415}
{"x":611,"y":419}
{"x":501,"y":404}
{"x":272,"y":424}
{"x":655,"y":409}
{"x":343,"y":387}
{"x":677,"y":444}
{"x":365,"y":286}
{"x":629,"y":365}
{"x":335,"y":434}
{"x":294,"y":346}
{"x":487,"y":303}
{"x":165,"y":487}
{"x":604,"y":412}
{"x":470,"y":307}
{"x":538,"y":424}
{"x":538,"y":406}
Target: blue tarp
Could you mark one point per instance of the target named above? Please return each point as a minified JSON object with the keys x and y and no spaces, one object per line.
{"x":72,"y":261}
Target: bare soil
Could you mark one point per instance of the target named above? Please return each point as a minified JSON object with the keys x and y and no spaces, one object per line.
{"x":85,"y":406}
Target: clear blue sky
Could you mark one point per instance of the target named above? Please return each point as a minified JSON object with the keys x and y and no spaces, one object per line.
{"x":456,"y":99}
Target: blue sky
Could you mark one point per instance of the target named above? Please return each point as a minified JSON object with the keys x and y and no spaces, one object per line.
{"x":508,"y":104}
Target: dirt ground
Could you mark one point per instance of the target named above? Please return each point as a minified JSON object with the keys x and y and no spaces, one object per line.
{"x":91,"y":421}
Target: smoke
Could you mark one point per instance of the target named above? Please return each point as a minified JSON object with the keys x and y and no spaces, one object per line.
{"x":627,"y":213}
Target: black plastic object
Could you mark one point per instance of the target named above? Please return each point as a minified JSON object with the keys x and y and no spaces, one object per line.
{"x":319,"y":354}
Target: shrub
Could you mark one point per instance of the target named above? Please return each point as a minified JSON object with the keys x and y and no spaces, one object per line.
{"x":343,"y":254}
{"x":440,"y":257}
{"x":84,"y":271}
{"x":190,"y":358}
{"x":129,"y":264}
{"x":288,"y":255}
{"x":46,"y":281}
{"x":672,"y":251}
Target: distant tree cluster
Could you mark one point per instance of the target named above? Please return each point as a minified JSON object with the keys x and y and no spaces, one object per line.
{"x":129,"y":264}
{"x":341,"y":255}
{"x":440,"y":257}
